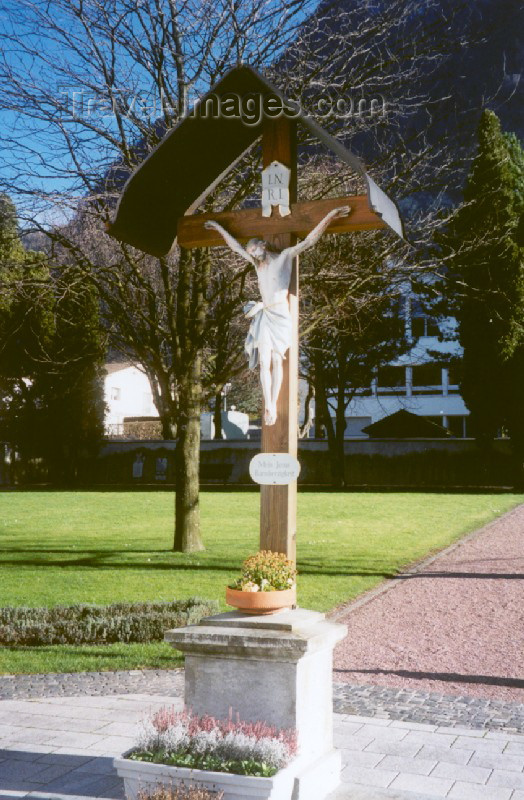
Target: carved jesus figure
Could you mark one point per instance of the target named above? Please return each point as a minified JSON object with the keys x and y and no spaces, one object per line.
{"x":270,"y":331}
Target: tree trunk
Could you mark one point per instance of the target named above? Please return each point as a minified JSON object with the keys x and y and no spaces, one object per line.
{"x":168,"y":427}
{"x":191,"y":303}
{"x":303,"y":431}
{"x":339,"y":456}
{"x":167,"y":409}
{"x":516,"y":432}
{"x":187,"y":503}
{"x":336,"y":465}
{"x":335,"y":429}
{"x":217,"y":416}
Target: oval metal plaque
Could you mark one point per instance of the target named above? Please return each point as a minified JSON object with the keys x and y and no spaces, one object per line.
{"x":274,"y":469}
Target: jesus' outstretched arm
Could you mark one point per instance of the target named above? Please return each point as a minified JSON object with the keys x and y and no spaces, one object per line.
{"x":314,"y":235}
{"x":210,"y":224}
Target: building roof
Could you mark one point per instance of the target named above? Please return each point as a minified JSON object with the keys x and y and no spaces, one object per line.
{"x":405,"y":425}
{"x":117,"y":366}
{"x":199,"y":152}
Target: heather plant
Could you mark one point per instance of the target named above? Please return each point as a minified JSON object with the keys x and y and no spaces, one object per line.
{"x":88,"y":624}
{"x":179,"y":792}
{"x":266,"y":572}
{"x":180,"y":738}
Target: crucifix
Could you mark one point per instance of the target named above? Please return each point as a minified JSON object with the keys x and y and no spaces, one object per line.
{"x":157,"y":207}
{"x":277,"y":271}
{"x":271,"y":330}
{"x":156,"y":210}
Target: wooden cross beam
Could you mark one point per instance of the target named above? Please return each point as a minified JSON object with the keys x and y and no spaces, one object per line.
{"x":249,"y":223}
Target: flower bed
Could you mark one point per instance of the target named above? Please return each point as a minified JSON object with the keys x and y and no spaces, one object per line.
{"x":241,"y":759}
{"x":181,"y":739}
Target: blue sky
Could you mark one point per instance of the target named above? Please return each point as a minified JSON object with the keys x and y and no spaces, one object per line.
{"x":56,"y":67}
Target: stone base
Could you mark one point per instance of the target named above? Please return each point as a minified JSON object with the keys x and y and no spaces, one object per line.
{"x":276,"y":669}
{"x":314,"y":781}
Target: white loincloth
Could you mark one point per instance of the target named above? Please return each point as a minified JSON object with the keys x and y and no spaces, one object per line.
{"x":272,"y":322}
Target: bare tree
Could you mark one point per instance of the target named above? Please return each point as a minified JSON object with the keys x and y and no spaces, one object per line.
{"x":90,"y":86}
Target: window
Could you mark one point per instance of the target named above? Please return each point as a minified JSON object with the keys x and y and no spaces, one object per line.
{"x":115,"y":393}
{"x":426,"y":375}
{"x":432,"y":328}
{"x":453,"y":380}
{"x":391,"y":378}
{"x":457,"y":426}
{"x":424,"y":326}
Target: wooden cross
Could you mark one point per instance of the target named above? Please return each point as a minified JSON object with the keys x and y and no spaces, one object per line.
{"x":278,"y":503}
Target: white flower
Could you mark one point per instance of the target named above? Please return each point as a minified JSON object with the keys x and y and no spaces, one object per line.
{"x":236,"y":746}
{"x":148,"y":738}
{"x":171,"y":740}
{"x":204,"y":742}
{"x":175,"y":738}
{"x":272,"y":752}
{"x":249,"y":586}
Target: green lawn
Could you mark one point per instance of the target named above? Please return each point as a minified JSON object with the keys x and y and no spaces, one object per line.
{"x":102,"y":547}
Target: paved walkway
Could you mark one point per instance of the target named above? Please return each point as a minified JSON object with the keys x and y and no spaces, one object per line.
{"x":61,"y":747}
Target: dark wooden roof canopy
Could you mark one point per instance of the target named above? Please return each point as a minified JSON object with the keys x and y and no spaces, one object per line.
{"x":406,"y":425}
{"x":195,"y":155}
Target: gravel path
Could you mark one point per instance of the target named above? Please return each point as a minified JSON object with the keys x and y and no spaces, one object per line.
{"x":454,"y":627}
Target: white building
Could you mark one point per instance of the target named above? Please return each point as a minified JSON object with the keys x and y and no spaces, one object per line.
{"x":127,"y":393}
{"x":416,"y":381}
{"x":235,"y":424}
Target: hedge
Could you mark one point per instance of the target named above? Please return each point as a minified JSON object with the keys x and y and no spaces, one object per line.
{"x":90,"y":624}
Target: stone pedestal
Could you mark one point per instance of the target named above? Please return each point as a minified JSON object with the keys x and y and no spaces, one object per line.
{"x":275,"y":668}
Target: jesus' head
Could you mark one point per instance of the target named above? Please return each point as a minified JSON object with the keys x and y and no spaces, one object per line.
{"x":257,"y":249}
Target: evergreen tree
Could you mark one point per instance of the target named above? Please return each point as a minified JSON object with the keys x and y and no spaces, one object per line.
{"x":485,"y":251}
{"x":51,"y":357}
{"x":71,"y":384}
{"x":26,"y":330}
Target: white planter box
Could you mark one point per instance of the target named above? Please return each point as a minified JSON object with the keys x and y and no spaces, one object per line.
{"x":300,"y":780}
{"x":139,"y":775}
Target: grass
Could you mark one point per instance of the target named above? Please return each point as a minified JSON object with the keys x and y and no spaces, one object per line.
{"x":100,"y":547}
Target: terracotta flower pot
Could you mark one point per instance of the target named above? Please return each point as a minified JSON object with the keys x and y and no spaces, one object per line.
{"x":261,"y":602}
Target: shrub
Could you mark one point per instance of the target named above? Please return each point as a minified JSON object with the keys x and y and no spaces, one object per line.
{"x":266,"y":572}
{"x":92,"y":624}
{"x":182,"y":739}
